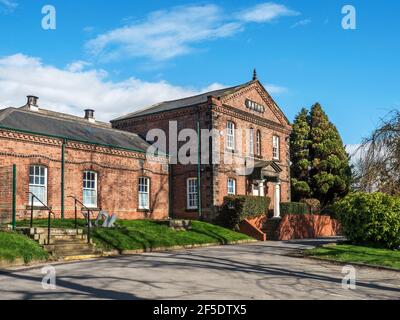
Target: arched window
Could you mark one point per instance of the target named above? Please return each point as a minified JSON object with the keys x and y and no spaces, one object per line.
{"x":276,"y":148}
{"x":230,"y":135}
{"x":144,"y":193}
{"x":251,"y":142}
{"x":90,"y":189}
{"x":38,"y":185}
{"x":258,"y":143}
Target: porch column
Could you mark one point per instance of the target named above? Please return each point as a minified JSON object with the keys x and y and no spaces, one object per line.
{"x":277,"y":200}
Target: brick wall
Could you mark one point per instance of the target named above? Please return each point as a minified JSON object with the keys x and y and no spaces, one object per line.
{"x":118,"y":173}
{"x":307,"y":226}
{"x":6,"y":182}
{"x":213,"y":115}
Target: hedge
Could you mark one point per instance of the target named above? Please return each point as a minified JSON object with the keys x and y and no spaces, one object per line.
{"x":314,"y":205}
{"x":235,"y":209}
{"x":370,"y":218}
{"x":294,"y":208}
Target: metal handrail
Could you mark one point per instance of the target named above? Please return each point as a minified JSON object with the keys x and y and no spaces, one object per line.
{"x":89,"y":211}
{"x":49,"y":217}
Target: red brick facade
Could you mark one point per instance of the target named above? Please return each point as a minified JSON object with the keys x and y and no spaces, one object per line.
{"x":214,"y":114}
{"x":118,"y":172}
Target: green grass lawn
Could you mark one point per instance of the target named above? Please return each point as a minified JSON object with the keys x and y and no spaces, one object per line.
{"x":13,"y":246}
{"x":146,"y":234}
{"x":358,"y":254}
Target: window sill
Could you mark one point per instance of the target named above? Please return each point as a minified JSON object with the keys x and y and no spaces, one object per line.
{"x":192,"y":209}
{"x":143,"y":210}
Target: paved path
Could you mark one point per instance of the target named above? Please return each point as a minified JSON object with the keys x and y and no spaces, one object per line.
{"x":250,"y":271}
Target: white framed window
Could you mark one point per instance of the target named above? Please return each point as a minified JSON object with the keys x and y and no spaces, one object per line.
{"x":275,"y":148}
{"x":231,"y":187}
{"x":251,"y":142}
{"x":258,"y":142}
{"x":90,"y":189}
{"x":144,"y":193}
{"x":230,"y":135}
{"x":38,"y":185}
{"x":192,"y":194}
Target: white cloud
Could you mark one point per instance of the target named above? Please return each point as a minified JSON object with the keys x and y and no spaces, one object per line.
{"x":8,"y":5}
{"x":266,"y":12}
{"x":71,"y":90}
{"x":169,"y":33}
{"x":301,"y":23}
{"x":78,"y":66}
{"x":164,"y":34}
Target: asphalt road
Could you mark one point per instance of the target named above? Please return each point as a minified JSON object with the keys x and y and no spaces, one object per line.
{"x":250,"y":271}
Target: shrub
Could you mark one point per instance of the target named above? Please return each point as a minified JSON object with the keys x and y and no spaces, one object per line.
{"x":371,"y":217}
{"x":294,"y":208}
{"x":314,"y":205}
{"x":235,"y":209}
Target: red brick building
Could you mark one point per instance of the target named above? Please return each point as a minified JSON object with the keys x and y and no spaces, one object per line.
{"x":58,"y":155}
{"x":263,"y":140}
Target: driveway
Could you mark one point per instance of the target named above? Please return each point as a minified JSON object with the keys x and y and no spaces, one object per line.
{"x":268,"y":270}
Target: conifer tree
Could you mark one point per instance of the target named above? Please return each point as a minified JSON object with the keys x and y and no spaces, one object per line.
{"x":320,"y":164}
{"x":330,"y":174}
{"x":299,"y":151}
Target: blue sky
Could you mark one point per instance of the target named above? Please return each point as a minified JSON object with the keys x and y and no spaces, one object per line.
{"x":125,"y":55}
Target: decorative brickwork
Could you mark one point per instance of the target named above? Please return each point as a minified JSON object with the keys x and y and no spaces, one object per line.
{"x":118,"y":173}
{"x":214,"y":115}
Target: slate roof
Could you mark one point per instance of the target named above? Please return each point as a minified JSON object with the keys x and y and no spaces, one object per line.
{"x":61,"y":125}
{"x":182,"y":103}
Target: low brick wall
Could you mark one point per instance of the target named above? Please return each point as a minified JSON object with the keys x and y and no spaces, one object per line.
{"x":252,"y":227}
{"x":307,"y":226}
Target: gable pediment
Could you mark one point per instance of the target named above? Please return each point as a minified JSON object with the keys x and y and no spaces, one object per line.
{"x":256,"y":95}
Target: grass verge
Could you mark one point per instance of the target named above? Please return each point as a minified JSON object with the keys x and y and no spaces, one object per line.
{"x":15,"y":246}
{"x":147,"y":234}
{"x":357,"y":254}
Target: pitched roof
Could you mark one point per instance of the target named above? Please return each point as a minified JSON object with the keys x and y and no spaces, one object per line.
{"x":61,"y":125}
{"x":182,"y":103}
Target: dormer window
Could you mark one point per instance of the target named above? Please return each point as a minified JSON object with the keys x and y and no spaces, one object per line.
{"x":255,"y":106}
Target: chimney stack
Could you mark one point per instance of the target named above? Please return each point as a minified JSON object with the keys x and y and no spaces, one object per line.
{"x":89,"y":115}
{"x":32,"y":103}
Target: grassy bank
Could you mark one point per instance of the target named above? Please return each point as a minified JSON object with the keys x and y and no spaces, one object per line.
{"x":146,"y":234}
{"x":358,"y":254}
{"x":14,"y":246}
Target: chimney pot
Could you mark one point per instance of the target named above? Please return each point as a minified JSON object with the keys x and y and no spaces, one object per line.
{"x":89,"y":115}
{"x":32,"y":103}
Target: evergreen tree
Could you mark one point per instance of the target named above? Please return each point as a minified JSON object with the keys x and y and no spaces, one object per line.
{"x":330,"y":174}
{"x":320,"y":164}
{"x":299,"y":151}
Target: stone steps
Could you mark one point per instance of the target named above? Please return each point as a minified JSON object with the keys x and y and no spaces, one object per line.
{"x":65,"y":244}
